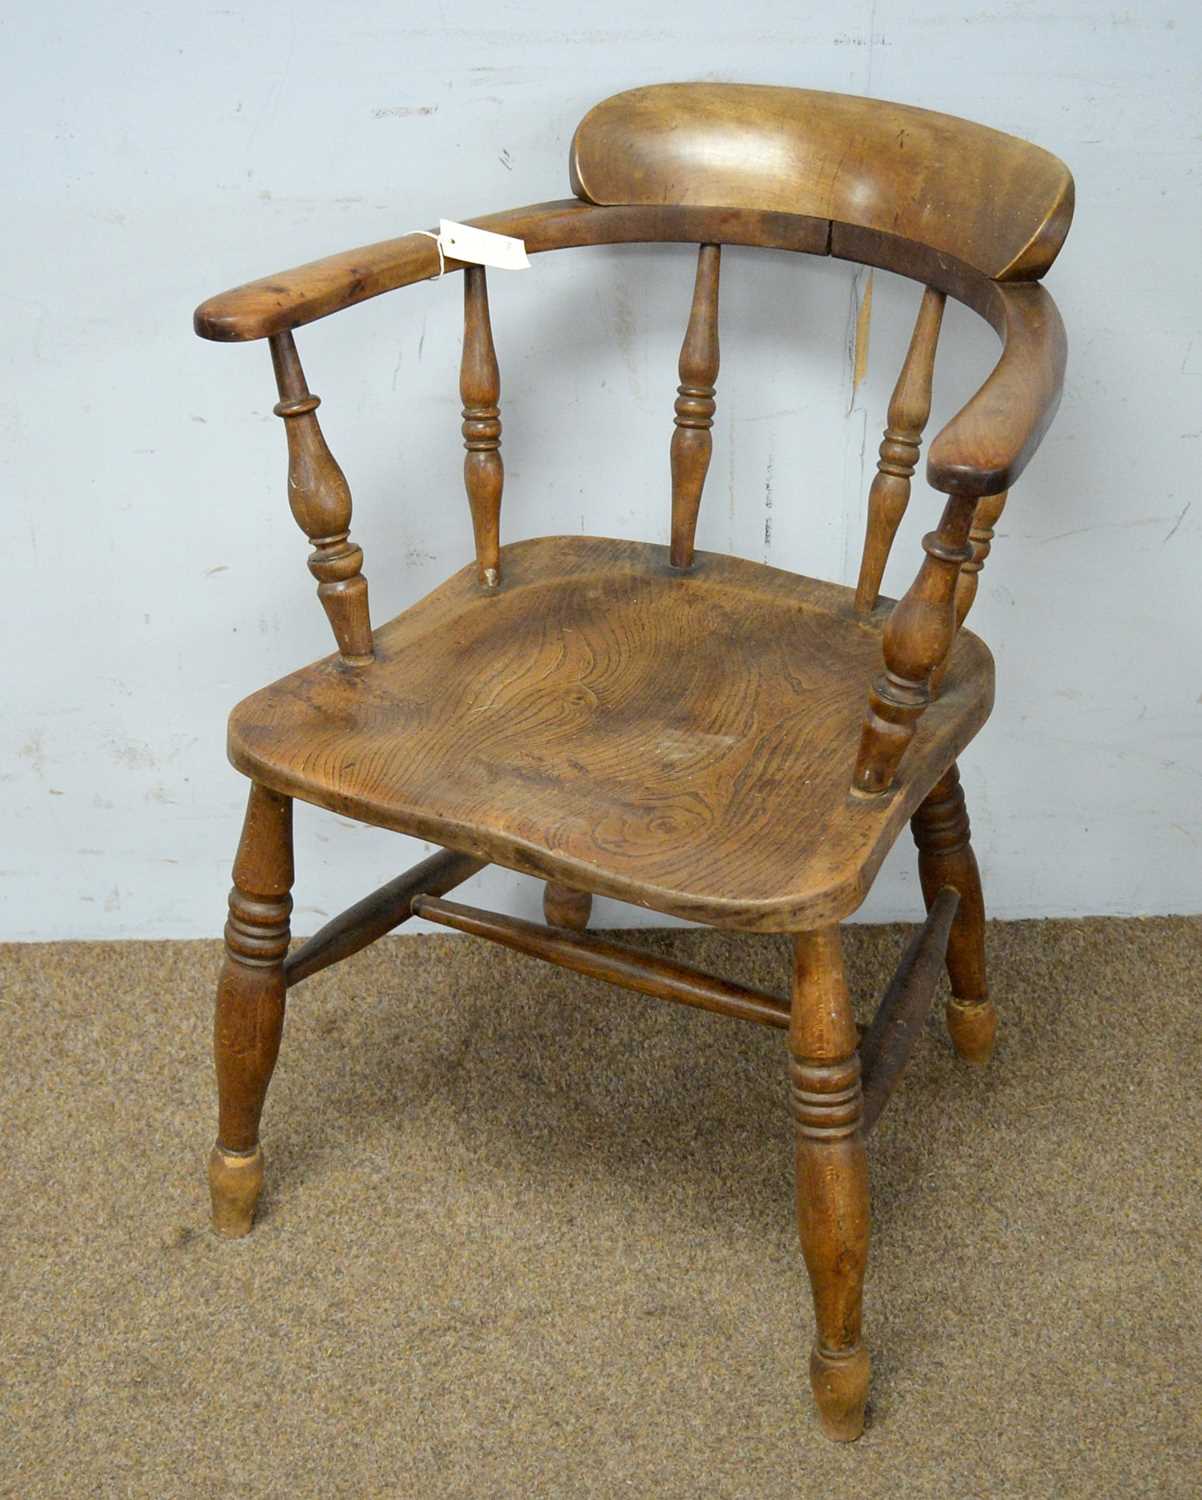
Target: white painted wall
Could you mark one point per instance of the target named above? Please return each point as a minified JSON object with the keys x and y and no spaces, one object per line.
{"x":154,"y":575}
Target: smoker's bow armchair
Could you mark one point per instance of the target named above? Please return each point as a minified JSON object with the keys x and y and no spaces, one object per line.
{"x":702,"y":736}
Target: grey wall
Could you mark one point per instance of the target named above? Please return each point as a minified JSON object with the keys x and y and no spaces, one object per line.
{"x":162,"y":154}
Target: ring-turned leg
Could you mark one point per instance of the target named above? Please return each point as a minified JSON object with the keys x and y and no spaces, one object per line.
{"x":564,"y":907}
{"x":832,"y":1177}
{"x":945,"y":857}
{"x":250,"y":1005}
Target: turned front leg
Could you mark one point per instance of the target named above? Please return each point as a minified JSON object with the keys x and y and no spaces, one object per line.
{"x":945,"y":857}
{"x":250,"y":1005}
{"x":832,"y":1177}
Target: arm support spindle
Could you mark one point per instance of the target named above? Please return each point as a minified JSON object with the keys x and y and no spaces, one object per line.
{"x":918,"y":635}
{"x":909,"y":408}
{"x":980,"y":538}
{"x":695,"y":406}
{"x":321,"y":504}
{"x":480,"y":392}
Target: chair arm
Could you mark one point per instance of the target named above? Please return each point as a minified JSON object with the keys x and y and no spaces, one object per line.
{"x":276,"y":303}
{"x":987,"y":444}
{"x":279,"y":303}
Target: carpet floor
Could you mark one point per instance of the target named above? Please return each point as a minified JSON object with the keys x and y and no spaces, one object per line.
{"x":524,"y":1235}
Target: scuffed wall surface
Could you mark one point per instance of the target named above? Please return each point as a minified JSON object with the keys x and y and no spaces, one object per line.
{"x":162,"y":155}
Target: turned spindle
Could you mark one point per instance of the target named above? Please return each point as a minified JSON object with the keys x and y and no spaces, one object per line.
{"x":480,"y":392}
{"x":692,"y":442}
{"x":321,"y":504}
{"x":909,"y":408}
{"x":980,"y":538}
{"x":917,"y":636}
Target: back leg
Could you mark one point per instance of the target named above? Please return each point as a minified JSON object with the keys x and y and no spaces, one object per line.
{"x":945,"y":857}
{"x":564,"y":907}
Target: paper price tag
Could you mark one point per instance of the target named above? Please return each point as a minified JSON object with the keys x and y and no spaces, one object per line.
{"x":480,"y":247}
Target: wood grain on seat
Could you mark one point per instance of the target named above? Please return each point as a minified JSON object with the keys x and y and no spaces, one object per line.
{"x":682,"y":740}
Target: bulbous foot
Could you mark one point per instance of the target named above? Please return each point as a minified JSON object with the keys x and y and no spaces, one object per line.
{"x":973,"y":1028}
{"x":235,"y":1182}
{"x":840,"y":1386}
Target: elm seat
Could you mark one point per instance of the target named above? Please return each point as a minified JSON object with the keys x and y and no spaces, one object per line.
{"x":680,"y":741}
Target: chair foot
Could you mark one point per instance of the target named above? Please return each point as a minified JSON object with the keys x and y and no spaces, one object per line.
{"x":840,"y":1385}
{"x":235,"y":1182}
{"x":972,"y":1025}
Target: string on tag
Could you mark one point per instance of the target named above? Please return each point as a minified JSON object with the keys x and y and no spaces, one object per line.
{"x":442,"y":260}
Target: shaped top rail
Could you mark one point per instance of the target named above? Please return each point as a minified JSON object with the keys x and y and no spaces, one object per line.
{"x":997,"y":203}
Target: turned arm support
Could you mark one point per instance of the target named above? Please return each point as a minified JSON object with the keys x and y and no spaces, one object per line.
{"x":978,"y":454}
{"x":320,"y":500}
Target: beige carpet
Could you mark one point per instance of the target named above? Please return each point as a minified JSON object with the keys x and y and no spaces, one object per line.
{"x":528,"y":1236}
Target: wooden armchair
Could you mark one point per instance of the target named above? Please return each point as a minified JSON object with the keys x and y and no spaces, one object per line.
{"x":699,"y":735}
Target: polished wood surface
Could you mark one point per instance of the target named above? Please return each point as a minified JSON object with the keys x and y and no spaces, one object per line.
{"x":995,"y":202}
{"x":250,"y":1005}
{"x":909,"y":409}
{"x":705,"y":737}
{"x":381,"y":912}
{"x":320,"y":499}
{"x":681,"y":740}
{"x":480,"y":392}
{"x":886,"y":1046}
{"x":918,"y":636}
{"x":982,"y":450}
{"x":985,"y":517}
{"x":941,"y":832}
{"x":832,"y":1176}
{"x":617,"y":963}
{"x":289,"y":299}
{"x":564,"y":907}
{"x":692,"y":444}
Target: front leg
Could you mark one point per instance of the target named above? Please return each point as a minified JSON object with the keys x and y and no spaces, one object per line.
{"x":250,"y":1005}
{"x":832,"y":1177}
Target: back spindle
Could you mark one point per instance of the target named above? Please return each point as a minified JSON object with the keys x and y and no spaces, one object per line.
{"x":695,"y":406}
{"x":321,"y":504}
{"x":480,"y":392}
{"x":909,"y":409}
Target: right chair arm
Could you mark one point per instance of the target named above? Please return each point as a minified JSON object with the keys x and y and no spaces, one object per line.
{"x":980,"y":453}
{"x":988,"y":443}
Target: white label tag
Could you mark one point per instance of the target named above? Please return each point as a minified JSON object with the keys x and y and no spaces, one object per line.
{"x":480,"y":247}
